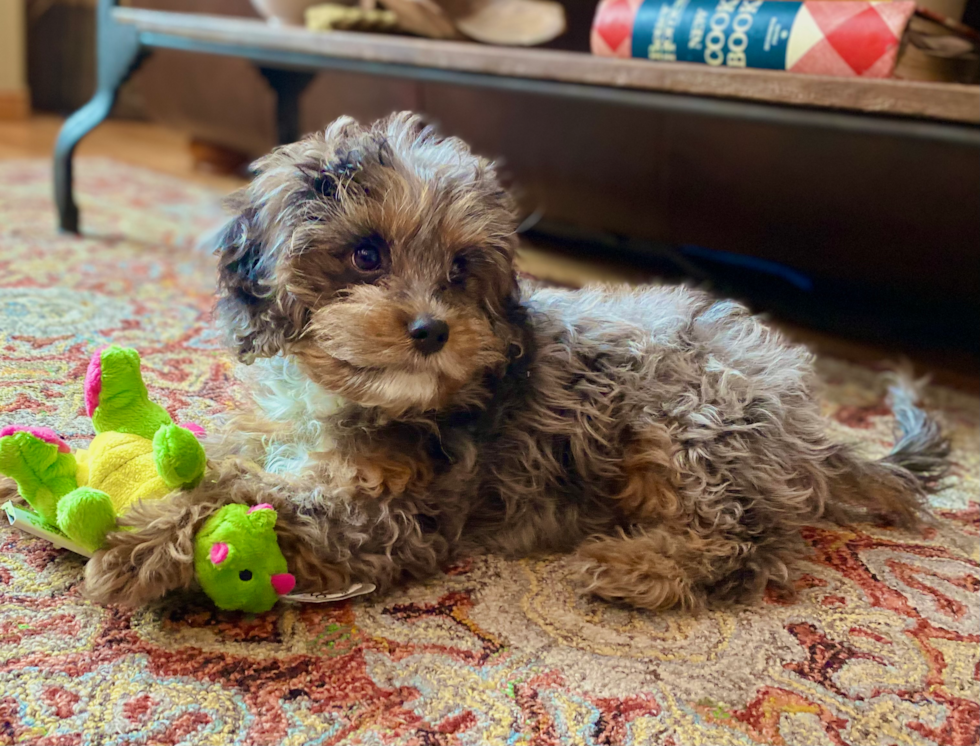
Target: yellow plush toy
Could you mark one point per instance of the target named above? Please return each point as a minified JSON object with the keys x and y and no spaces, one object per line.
{"x":138,"y":453}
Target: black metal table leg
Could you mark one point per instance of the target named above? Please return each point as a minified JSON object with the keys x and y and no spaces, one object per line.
{"x":288,"y":85}
{"x":119,"y":53}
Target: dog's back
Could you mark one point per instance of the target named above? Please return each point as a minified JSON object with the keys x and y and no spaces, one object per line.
{"x":688,"y":434}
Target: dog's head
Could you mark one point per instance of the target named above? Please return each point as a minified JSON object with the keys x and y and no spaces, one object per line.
{"x":381,"y":258}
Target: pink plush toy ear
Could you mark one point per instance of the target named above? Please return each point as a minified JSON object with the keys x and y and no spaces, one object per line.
{"x":219,"y":552}
{"x":262,"y":516}
{"x":93,"y":382}
{"x":194,"y":428}
{"x":260,"y":506}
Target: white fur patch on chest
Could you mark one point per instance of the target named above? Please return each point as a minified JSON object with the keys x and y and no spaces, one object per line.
{"x":283,"y":393}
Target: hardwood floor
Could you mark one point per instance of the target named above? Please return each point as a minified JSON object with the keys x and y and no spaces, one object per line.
{"x":167,"y":151}
{"x":137,"y":143}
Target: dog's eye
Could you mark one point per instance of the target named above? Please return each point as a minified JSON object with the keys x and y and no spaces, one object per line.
{"x":368,"y":254}
{"x":245,"y":575}
{"x":367,"y":258}
{"x":457,"y":272}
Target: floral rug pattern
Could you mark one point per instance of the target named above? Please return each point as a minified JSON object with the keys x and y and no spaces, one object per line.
{"x":882,"y":646}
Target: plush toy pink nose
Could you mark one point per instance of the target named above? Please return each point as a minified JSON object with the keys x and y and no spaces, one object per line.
{"x":283,"y":583}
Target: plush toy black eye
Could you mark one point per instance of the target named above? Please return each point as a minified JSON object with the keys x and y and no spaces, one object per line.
{"x":367,"y":257}
{"x":245,"y":575}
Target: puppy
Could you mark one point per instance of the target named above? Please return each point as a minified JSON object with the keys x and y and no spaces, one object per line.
{"x":413,"y":401}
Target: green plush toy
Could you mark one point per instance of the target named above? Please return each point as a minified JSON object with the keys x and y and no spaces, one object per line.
{"x":238,"y":561}
{"x":139,"y":453}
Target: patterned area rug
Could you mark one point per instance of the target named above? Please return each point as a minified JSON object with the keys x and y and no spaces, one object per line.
{"x":881,"y":647}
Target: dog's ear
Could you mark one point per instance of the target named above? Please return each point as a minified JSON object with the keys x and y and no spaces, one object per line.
{"x":149,"y":561}
{"x":247,"y":307}
{"x":295,"y":186}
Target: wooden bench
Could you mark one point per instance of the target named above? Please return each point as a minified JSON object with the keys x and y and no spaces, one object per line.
{"x":288,"y":57}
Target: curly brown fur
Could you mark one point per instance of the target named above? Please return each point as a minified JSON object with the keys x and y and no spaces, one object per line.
{"x":672,"y":440}
{"x":8,"y":491}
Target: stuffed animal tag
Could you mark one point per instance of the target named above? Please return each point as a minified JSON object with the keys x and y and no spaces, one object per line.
{"x":355,"y":589}
{"x":31,"y":523}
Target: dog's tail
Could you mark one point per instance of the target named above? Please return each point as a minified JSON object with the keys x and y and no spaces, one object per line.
{"x":893,"y":489}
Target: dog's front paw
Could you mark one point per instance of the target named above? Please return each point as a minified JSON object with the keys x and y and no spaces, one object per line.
{"x":152,"y":556}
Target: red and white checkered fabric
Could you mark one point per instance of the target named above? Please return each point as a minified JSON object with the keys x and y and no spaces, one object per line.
{"x":827,"y":37}
{"x":848,"y":38}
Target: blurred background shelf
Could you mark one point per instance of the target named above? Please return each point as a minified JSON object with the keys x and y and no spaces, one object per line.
{"x":869,"y":189}
{"x":256,"y":39}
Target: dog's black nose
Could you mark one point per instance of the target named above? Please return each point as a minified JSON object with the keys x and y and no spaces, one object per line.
{"x":429,"y":335}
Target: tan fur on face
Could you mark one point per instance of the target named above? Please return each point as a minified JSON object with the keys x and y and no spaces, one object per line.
{"x":671,"y":439}
{"x":358,"y":348}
